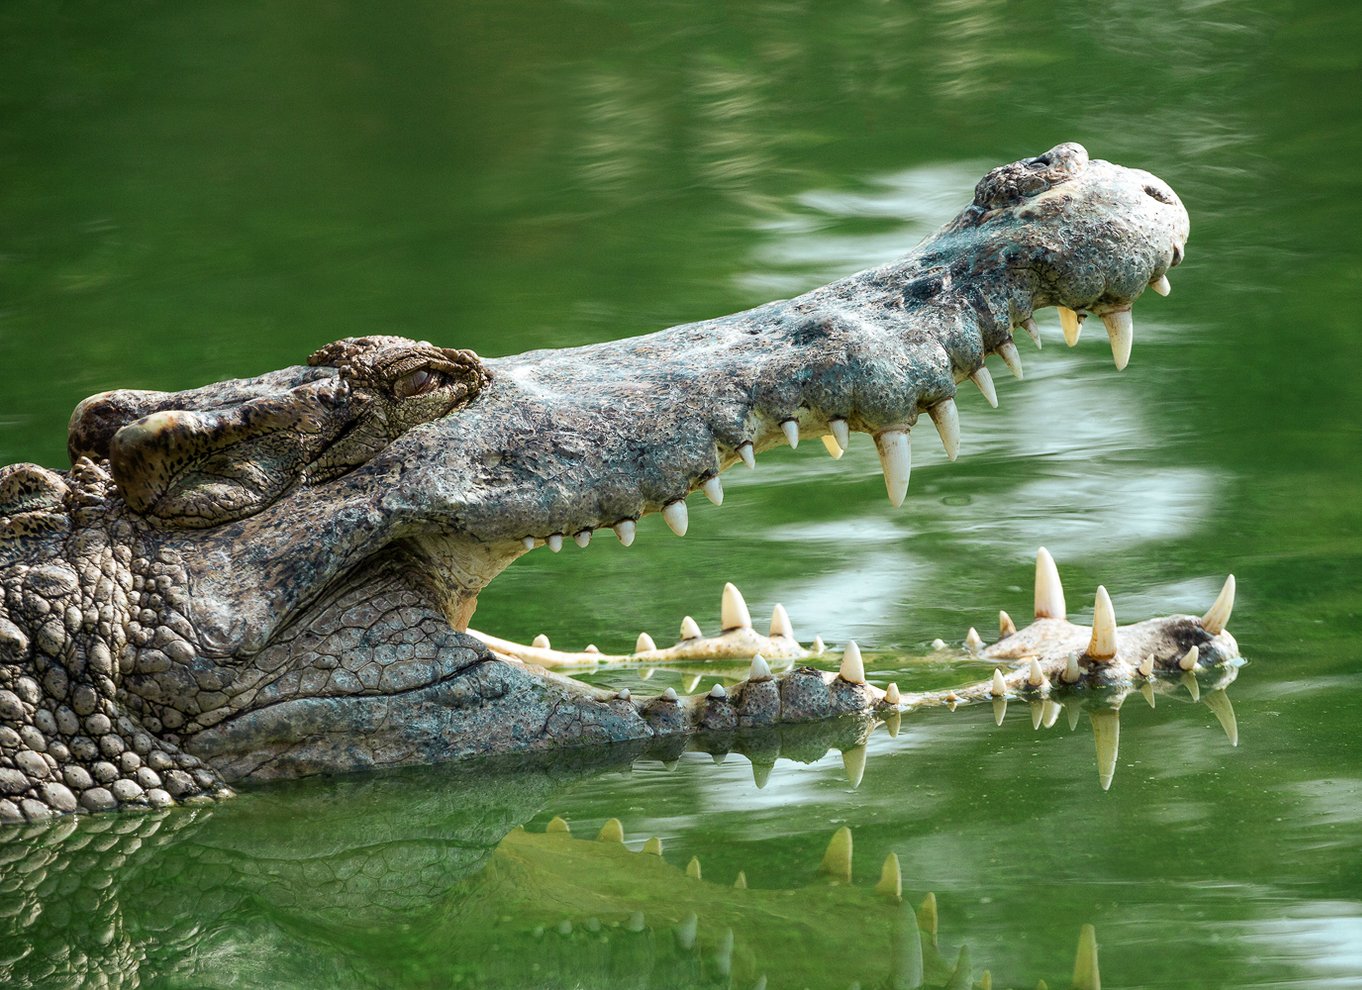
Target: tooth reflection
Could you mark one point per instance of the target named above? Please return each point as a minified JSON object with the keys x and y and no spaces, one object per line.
{"x":905,"y":949}
{"x":1106,"y":733}
{"x":1219,"y":704}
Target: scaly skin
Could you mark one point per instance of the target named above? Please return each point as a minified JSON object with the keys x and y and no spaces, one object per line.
{"x":274,"y":576}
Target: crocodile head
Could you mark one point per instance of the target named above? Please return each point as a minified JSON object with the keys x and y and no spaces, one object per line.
{"x":305,"y":549}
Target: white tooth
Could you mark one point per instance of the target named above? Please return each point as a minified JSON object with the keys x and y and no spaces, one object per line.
{"x":592,"y":648}
{"x":790,"y":428}
{"x":1034,"y":675}
{"x":625,"y":530}
{"x":891,"y":694}
{"x":540,"y":642}
{"x":1102,"y":645}
{"x":582,"y":538}
{"x":816,"y":647}
{"x":896,"y":459}
{"x":1008,"y":352}
{"x":891,"y":880}
{"x":690,"y":629}
{"x":527,"y":542}
{"x":833,"y":448}
{"x":644,"y":644}
{"x":676,"y":516}
{"x":841,"y":432}
{"x":947,"y":420}
{"x":1121,"y":333}
{"x":669,"y":694}
{"x":853,"y":669}
{"x":973,"y":641}
{"x":780,"y":622}
{"x":1070,"y":323}
{"x":745,"y":452}
{"x":1218,"y":616}
{"x":760,"y":670}
{"x":1006,"y":627}
{"x":1073,"y":673}
{"x":984,"y":381}
{"x":1189,"y":659}
{"x":714,"y":490}
{"x":623,"y":694}
{"x":999,"y":687}
{"x":1147,"y":666}
{"x":1049,"y":590}
{"x":717,"y":692}
{"x":555,"y":542}
{"x":1161,"y":285}
{"x":733,"y":609}
{"x":1029,"y":325}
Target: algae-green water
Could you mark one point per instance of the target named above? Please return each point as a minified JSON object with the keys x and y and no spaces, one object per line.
{"x":190,"y":192}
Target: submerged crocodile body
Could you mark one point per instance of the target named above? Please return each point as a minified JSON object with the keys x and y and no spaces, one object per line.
{"x":274,"y":576}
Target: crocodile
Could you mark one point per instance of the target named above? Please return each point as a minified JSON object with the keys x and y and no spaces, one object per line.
{"x":274,"y":576}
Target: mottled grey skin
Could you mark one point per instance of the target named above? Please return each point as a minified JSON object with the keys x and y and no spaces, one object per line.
{"x":268,"y":577}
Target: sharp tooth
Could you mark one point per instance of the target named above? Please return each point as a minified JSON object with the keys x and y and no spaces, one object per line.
{"x":625,"y":531}
{"x":1121,"y":333}
{"x":557,"y":824}
{"x":853,"y":669}
{"x":780,"y":622}
{"x":973,"y":641}
{"x":1008,"y":352}
{"x":1006,"y":627}
{"x":733,"y":610}
{"x":999,"y":687}
{"x":947,"y":420}
{"x":740,"y":882}
{"x":834,"y":449}
{"x":592,"y":648}
{"x":816,"y":647}
{"x":1189,"y":659}
{"x":611,"y":831}
{"x":1071,"y":323}
{"x":624,"y":694}
{"x":714,"y":490}
{"x":652,"y":846}
{"x":1147,"y":666}
{"x":669,"y":694}
{"x":745,"y":452}
{"x":790,"y":428}
{"x":984,"y":381}
{"x":527,"y":542}
{"x":1034,"y":675}
{"x":891,"y":878}
{"x":896,"y":460}
{"x":1086,"y":976}
{"x":1073,"y":673}
{"x":891,"y":694}
{"x":644,"y":644}
{"x":760,"y":669}
{"x":1049,"y":590}
{"x":927,"y":916}
{"x":690,"y":629}
{"x":718,"y":693}
{"x":676,"y":516}
{"x":1102,"y":646}
{"x":1029,"y":325}
{"x":1161,"y":285}
{"x":840,"y":432}
{"x":693,"y":868}
{"x":555,"y":542}
{"x":837,"y":859}
{"x":1218,"y":616}
{"x":540,"y":642}
{"x":853,"y":764}
{"x":1106,"y":733}
{"x":582,"y":538}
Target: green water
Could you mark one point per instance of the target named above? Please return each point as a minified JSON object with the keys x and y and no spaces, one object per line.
{"x":192,"y":192}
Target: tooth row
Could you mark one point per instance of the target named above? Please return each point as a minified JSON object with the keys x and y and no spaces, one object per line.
{"x":894,"y":445}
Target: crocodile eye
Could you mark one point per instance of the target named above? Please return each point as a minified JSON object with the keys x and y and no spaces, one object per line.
{"x":415,"y":383}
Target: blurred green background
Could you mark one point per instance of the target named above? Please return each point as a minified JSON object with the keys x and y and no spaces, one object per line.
{"x":196,"y":191}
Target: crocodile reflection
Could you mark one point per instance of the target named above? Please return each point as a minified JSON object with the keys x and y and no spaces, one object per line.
{"x":427,"y":877}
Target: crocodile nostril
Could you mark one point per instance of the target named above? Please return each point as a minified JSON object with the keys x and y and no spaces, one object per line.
{"x":1162,"y":195}
{"x":1177,"y":256}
